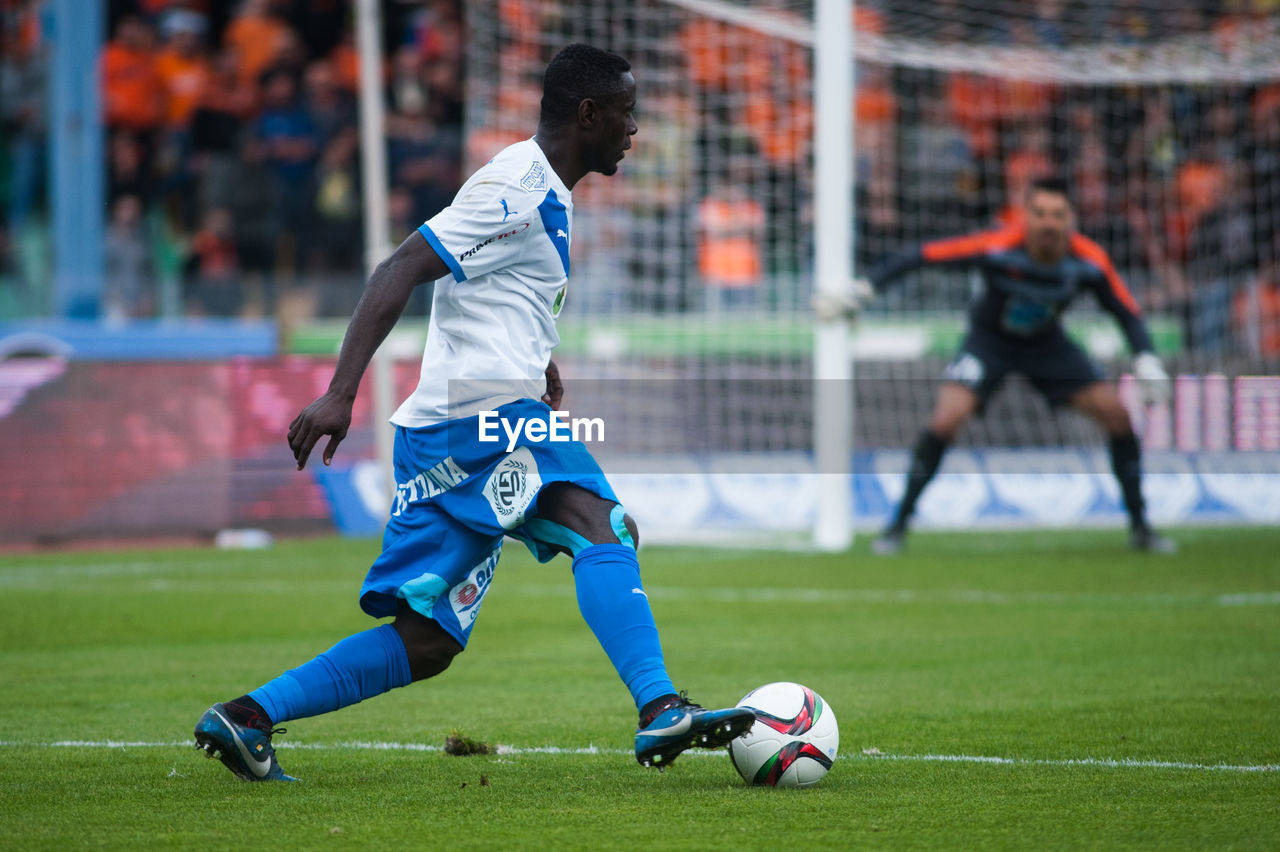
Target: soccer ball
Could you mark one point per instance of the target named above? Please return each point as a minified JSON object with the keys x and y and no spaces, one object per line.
{"x":794,"y":739}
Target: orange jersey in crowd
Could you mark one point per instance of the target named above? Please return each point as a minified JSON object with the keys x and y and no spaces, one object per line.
{"x":132,"y":92}
{"x":729,"y":253}
{"x":257,"y":42}
{"x":184,"y":79}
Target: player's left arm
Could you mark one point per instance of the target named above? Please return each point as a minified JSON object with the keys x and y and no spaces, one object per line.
{"x":1114,"y":296}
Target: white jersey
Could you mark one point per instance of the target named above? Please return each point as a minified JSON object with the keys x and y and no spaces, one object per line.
{"x":505,"y":239}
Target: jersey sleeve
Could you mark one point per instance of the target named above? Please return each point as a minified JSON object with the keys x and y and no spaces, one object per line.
{"x":1114,"y":295}
{"x":482,"y":230}
{"x":894,"y":267}
{"x":955,"y":251}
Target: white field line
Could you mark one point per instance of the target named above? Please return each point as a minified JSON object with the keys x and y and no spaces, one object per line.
{"x":1105,"y":762}
{"x":908,"y":596}
{"x":160,"y":577}
{"x":165,"y":577}
{"x":24,"y":574}
{"x":865,"y":754}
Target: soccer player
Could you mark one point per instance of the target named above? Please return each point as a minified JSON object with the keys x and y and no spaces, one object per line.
{"x":1031,"y":272}
{"x":499,"y":255}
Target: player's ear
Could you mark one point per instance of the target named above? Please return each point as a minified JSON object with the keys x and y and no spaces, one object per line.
{"x":588,"y":113}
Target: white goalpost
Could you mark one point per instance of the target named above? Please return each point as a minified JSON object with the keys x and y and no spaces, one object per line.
{"x":833,"y":402}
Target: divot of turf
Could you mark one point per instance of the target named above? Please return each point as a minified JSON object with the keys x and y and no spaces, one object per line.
{"x":459,"y":744}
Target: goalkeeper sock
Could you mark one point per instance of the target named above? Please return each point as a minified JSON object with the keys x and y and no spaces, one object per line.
{"x":616,"y":608}
{"x":1126,"y":463}
{"x":358,"y":667}
{"x":926,"y":455}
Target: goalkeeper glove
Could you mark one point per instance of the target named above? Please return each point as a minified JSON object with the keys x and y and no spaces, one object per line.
{"x":844,"y":303}
{"x":1153,"y":381}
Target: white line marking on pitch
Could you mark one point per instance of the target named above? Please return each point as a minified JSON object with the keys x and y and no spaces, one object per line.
{"x":1250,"y":599}
{"x":40,"y":576}
{"x":866,"y":754}
{"x":906,"y":596}
{"x":174,"y":577}
{"x":1105,"y":762}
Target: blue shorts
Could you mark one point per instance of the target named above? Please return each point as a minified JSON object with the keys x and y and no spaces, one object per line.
{"x":456,"y":497}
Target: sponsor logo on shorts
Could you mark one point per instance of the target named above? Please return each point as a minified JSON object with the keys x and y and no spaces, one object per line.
{"x":466,"y":596}
{"x":967,"y":370}
{"x":509,"y":485}
{"x":512,"y":486}
{"x":468,"y":593}
{"x":427,"y":484}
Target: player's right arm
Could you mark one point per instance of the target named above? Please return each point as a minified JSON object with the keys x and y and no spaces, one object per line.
{"x":955,"y":251}
{"x":952,"y":251}
{"x":380,"y":306}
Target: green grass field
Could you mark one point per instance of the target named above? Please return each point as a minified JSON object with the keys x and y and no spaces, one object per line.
{"x":1132,"y":701}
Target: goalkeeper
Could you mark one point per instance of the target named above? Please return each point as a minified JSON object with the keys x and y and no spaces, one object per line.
{"x":1031,"y":273}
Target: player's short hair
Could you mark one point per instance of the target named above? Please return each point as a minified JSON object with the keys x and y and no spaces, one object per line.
{"x":578,"y":72}
{"x":1055,"y":185}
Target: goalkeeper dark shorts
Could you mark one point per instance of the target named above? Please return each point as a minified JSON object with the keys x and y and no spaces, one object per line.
{"x":1053,"y":363}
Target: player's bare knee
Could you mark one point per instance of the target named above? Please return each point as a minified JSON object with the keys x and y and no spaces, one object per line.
{"x":946,"y":426}
{"x":630,"y":524}
{"x":952,"y":412}
{"x":1110,"y":414}
{"x":1116,"y":422}
{"x":579,"y":511}
{"x":429,"y":656}
{"x":429,"y":648}
{"x":431,"y":659}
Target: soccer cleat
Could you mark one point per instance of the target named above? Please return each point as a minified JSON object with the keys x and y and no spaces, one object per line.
{"x":244,"y":750}
{"x":890,"y":542}
{"x":683,"y":724}
{"x":1150,"y":541}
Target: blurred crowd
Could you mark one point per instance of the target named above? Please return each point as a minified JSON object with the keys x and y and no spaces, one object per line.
{"x":232,"y":147}
{"x":1180,"y":182}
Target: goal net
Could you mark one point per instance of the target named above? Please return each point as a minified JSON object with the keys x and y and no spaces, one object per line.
{"x":687,"y":315}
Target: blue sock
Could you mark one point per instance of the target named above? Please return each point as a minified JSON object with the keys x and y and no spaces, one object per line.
{"x":616,"y":609}
{"x":358,"y":667}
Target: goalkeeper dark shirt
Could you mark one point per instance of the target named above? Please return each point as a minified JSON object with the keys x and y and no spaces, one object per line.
{"x":1023,"y":299}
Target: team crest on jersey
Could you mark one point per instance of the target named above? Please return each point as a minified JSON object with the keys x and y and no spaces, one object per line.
{"x":512,"y":486}
{"x":466,"y":596}
{"x":535,"y":179}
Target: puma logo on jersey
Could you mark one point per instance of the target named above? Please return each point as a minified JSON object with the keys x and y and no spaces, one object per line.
{"x":506,"y":211}
{"x":561,"y":234}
